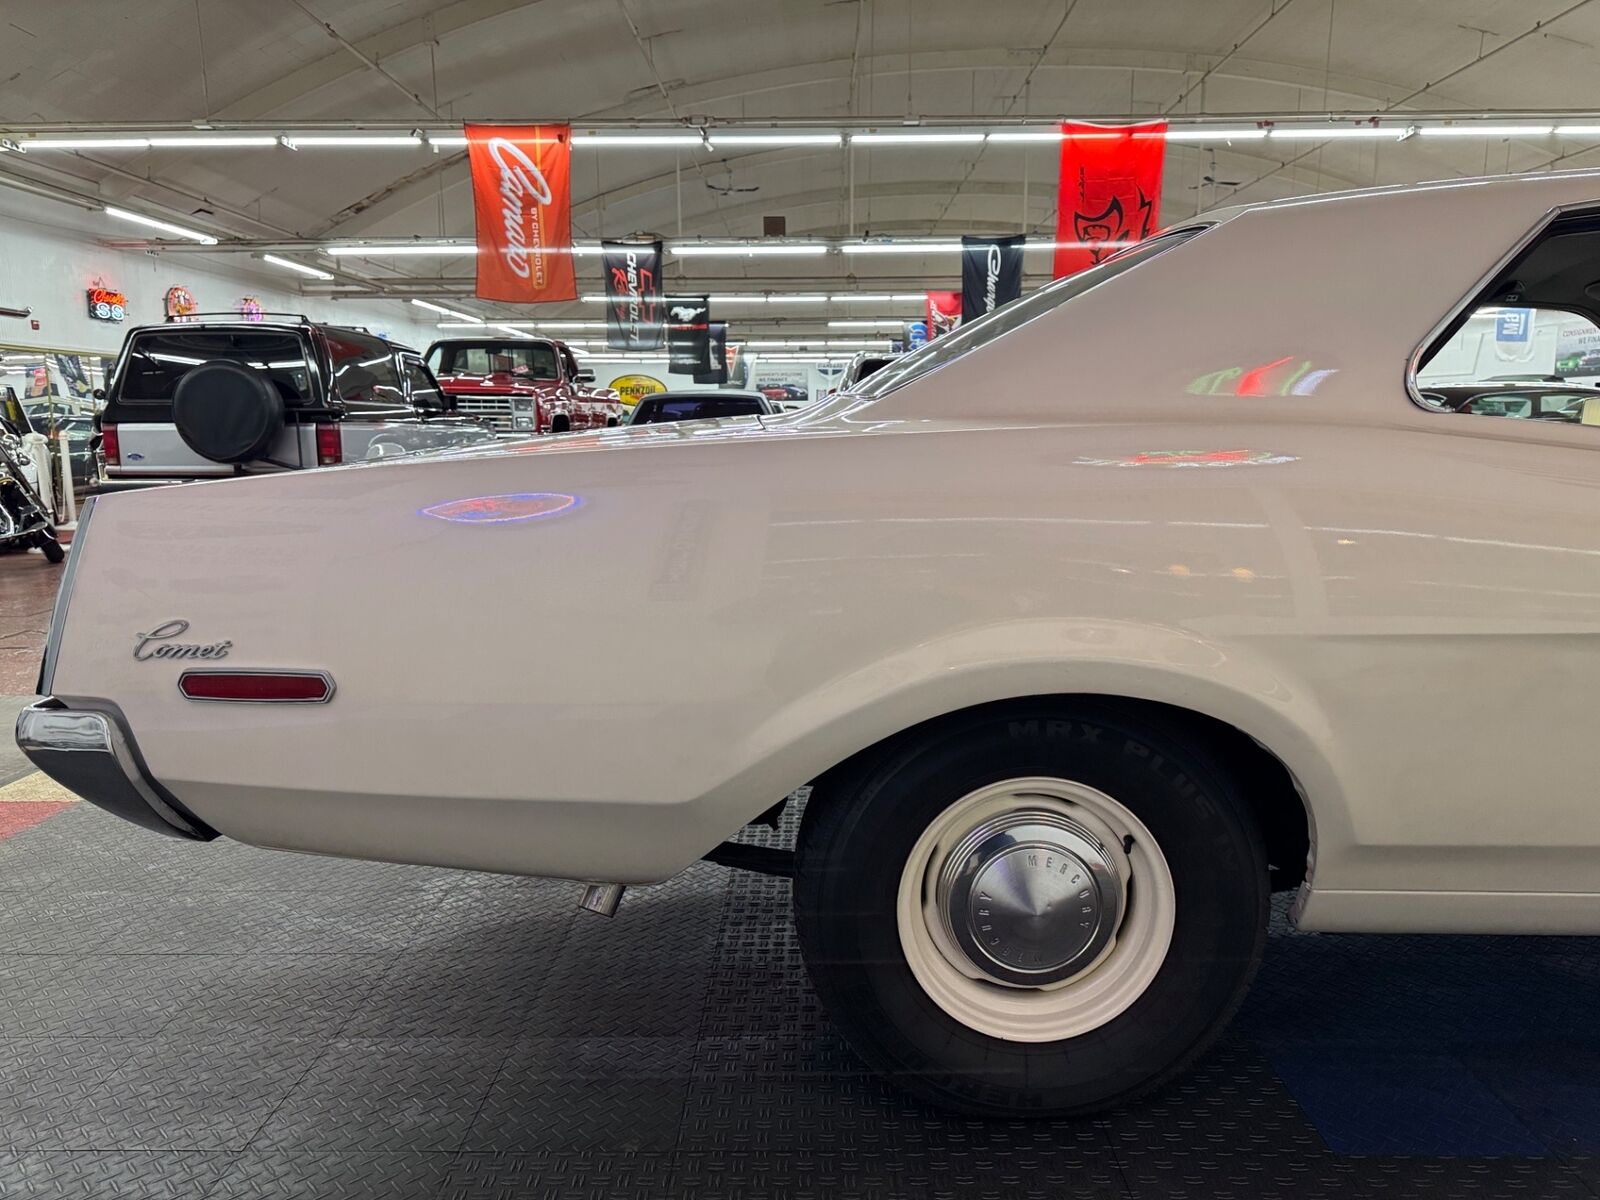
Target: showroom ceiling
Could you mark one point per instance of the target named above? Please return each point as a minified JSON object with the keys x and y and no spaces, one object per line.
{"x":821,"y":65}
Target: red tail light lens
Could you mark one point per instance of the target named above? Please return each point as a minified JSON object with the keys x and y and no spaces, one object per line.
{"x":330,"y":451}
{"x":257,"y":687}
{"x":110,"y":450}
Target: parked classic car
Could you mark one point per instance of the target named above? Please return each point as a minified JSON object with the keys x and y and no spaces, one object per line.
{"x":1083,"y":648}
{"x":212,"y":398}
{"x":699,"y":405}
{"x":523,"y":385}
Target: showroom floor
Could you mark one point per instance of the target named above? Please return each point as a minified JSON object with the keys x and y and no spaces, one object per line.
{"x":209,"y":1021}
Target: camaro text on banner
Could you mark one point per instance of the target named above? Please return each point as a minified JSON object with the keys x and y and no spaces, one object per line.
{"x":521,"y":198}
{"x":1110,"y":190}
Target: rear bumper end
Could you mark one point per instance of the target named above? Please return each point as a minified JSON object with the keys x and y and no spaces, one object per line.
{"x":91,"y":753}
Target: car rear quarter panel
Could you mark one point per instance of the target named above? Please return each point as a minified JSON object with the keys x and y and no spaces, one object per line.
{"x":608,"y":691}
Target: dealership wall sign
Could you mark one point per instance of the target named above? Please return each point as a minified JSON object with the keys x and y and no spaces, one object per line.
{"x":633,"y":388}
{"x":106,"y":304}
{"x":180,"y":304}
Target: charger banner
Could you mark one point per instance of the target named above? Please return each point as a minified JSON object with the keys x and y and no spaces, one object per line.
{"x":522,"y":203}
{"x":944,"y":313}
{"x":688,"y":335}
{"x":633,"y":295}
{"x":991,"y":273}
{"x":718,"y":337}
{"x":1110,"y":190}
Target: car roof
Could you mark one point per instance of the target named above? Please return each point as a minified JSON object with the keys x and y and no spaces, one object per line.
{"x":708,"y":392}
{"x":279,"y":326}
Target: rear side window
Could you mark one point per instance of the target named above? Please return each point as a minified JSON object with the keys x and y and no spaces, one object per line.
{"x":1527,"y":347}
{"x":159,"y":359}
{"x":363,"y":368}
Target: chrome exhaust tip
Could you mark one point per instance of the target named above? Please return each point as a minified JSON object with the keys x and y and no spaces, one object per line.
{"x":602,"y":898}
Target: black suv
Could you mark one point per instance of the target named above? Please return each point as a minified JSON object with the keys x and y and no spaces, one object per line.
{"x":209,"y":399}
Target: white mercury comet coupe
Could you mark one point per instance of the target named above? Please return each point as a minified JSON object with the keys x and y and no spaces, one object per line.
{"x":1263,"y":555}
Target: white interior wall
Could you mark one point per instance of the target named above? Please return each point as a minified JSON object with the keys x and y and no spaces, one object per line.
{"x":48,"y":267}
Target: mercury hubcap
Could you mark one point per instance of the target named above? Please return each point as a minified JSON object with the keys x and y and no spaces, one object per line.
{"x":1035,"y":909}
{"x":1030,"y":898}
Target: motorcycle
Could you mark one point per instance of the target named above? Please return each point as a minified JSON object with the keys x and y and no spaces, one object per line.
{"x":25,"y":522}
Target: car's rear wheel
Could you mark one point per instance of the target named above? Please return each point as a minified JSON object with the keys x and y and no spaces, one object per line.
{"x":1039,"y":910}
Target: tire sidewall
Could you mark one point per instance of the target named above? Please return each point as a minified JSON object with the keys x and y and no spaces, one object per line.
{"x":847,"y":892}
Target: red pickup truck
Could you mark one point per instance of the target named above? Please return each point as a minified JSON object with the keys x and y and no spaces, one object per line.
{"x":522,"y":385}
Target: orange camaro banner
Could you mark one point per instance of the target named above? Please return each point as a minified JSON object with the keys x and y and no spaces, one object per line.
{"x":522,"y":202}
{"x":1110,"y":190}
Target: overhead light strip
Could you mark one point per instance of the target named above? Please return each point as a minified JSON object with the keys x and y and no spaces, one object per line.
{"x":193,"y":235}
{"x":287,"y":265}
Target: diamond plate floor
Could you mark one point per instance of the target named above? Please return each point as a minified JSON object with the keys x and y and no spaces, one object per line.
{"x":209,"y":1022}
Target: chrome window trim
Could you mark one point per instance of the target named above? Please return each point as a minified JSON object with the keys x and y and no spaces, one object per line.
{"x":1414,"y":363}
{"x":58,"y":614}
{"x":298,"y":672}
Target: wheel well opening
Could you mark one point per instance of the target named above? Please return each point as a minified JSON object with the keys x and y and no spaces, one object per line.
{"x":1268,"y":787}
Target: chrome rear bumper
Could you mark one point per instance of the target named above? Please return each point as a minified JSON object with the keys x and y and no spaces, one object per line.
{"x":91,"y":752}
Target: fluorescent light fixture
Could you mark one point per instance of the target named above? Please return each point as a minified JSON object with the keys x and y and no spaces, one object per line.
{"x":798,"y":298}
{"x":739,"y":299}
{"x":445,"y":312}
{"x":862,"y":298}
{"x":226,"y":140}
{"x":122,"y":214}
{"x":86,"y":143}
{"x":900,"y":247}
{"x":637,"y":139}
{"x":403,"y":249}
{"x":787,"y":249}
{"x":775,"y":139}
{"x":447,"y":140}
{"x":513,"y":330}
{"x":1468,"y":129}
{"x":1025,"y":135}
{"x":1578,"y":130}
{"x":1321,"y":132}
{"x":294,"y":266}
{"x":864,"y":324}
{"x":344,"y":139}
{"x":1212,"y":135}
{"x":932,"y":138}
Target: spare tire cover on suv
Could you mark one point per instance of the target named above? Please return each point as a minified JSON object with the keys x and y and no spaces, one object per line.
{"x":227,"y":412}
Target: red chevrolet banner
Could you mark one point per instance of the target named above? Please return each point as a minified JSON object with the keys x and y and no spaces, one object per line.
{"x":1110,"y":190}
{"x":521,"y":199}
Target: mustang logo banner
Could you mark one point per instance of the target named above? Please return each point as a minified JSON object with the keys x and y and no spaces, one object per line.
{"x":688,"y":335}
{"x":1110,"y":191}
{"x":991,"y":273}
{"x":522,"y":203}
{"x":633,"y":295}
{"x":944,"y":313}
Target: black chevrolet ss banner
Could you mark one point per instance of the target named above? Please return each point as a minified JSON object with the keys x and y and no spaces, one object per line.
{"x":632,"y":273}
{"x":991,"y":274}
{"x":717,"y":336}
{"x":688,"y":335}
